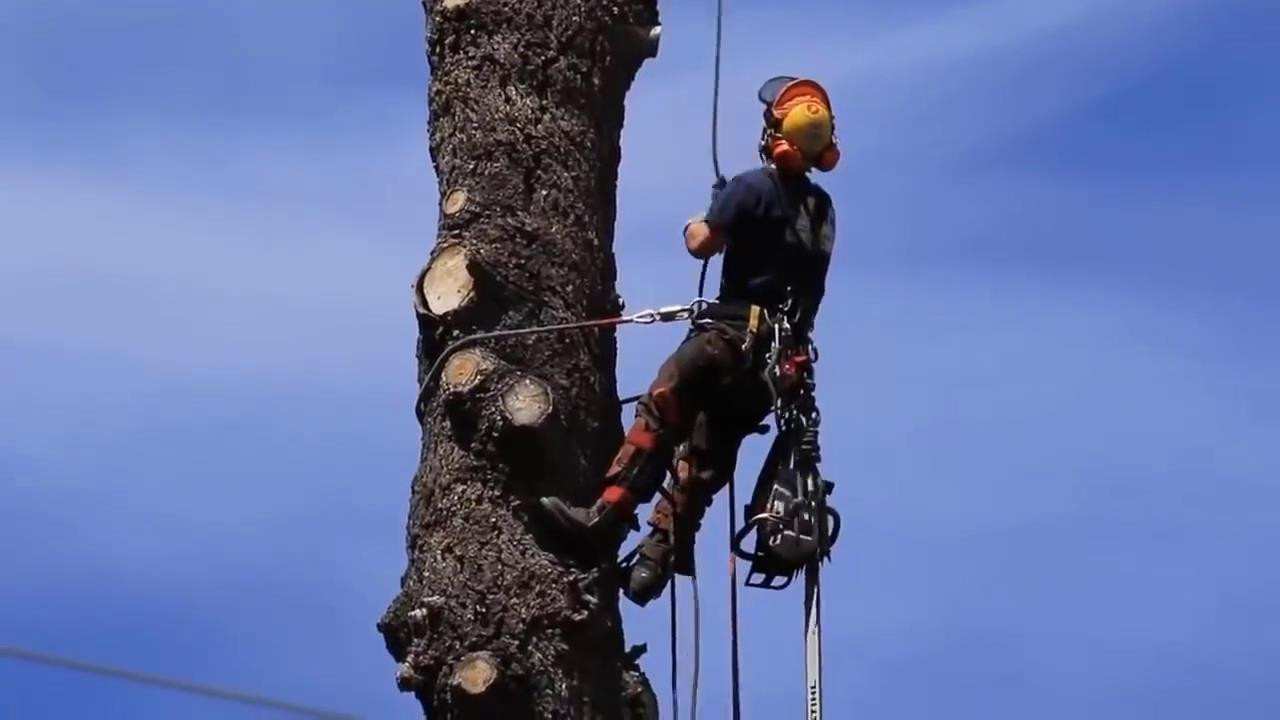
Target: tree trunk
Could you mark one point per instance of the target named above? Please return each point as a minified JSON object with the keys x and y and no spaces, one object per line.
{"x":526,"y":106}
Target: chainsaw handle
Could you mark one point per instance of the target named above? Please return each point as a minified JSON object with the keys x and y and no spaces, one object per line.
{"x":834,"y":533}
{"x":746,"y":530}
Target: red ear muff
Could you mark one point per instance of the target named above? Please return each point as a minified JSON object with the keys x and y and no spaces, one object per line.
{"x":786,"y":156}
{"x":829,"y":158}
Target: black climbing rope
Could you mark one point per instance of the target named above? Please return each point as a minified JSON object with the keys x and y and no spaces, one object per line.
{"x":697,"y":648}
{"x":675,"y":647}
{"x":733,"y":605}
{"x":715,"y":148}
{"x":697,"y":615}
{"x":715,"y":127}
{"x":702,"y":282}
{"x":702,"y":285}
{"x":715,"y":93}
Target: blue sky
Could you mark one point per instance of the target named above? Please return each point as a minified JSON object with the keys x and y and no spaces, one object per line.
{"x":1048,"y":369}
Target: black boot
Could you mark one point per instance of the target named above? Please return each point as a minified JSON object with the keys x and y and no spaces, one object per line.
{"x":633,"y":480}
{"x":647,"y":576}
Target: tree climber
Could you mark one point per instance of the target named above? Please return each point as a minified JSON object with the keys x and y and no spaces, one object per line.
{"x":776,"y":228}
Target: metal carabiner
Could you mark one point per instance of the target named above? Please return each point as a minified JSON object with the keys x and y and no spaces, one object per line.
{"x":671,"y":313}
{"x":644,"y":317}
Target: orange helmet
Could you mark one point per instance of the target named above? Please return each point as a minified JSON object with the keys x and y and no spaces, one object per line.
{"x":799,"y":125}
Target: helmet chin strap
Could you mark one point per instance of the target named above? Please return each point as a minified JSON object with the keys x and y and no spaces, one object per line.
{"x":789,"y":171}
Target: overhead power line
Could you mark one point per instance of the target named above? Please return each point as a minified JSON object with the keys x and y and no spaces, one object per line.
{"x":183,"y":686}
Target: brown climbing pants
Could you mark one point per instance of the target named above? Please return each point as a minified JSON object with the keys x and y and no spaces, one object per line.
{"x":707,"y":397}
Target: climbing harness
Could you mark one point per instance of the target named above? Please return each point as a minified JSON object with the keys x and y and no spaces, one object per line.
{"x":671,"y":313}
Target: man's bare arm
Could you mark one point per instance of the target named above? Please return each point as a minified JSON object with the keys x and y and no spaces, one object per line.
{"x":701,"y":240}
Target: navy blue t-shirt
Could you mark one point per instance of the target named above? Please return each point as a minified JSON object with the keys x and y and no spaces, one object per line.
{"x":780,"y":231}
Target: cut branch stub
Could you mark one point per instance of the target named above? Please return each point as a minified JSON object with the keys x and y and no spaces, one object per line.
{"x":636,"y":43}
{"x":653,"y":39}
{"x":407,"y":679}
{"x":445,"y":284}
{"x":639,"y":700}
{"x":464,"y":369}
{"x":527,"y":401}
{"x":453,"y":4}
{"x":644,"y":40}
{"x":454,"y":201}
{"x":475,"y":674}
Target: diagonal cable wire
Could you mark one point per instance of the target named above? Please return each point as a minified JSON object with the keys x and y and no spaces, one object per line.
{"x":183,"y":686}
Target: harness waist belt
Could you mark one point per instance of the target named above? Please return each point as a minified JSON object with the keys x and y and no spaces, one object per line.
{"x":734,"y":312}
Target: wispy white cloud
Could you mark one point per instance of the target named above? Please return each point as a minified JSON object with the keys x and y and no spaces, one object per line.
{"x":921,"y":94}
{"x":234,"y":271}
{"x":916,"y":93}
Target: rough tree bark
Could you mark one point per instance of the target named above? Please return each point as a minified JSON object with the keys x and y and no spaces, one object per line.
{"x":494,"y":619}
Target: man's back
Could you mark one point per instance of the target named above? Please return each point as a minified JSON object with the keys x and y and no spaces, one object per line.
{"x":780,"y":234}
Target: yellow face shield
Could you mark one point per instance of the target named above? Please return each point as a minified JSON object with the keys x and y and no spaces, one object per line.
{"x":807,"y":125}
